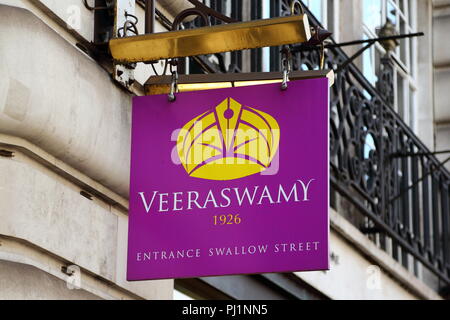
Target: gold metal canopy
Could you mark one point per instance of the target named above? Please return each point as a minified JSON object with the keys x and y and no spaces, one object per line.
{"x":193,"y":82}
{"x":208,"y":40}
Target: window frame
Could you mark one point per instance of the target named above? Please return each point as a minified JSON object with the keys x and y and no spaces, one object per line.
{"x":404,"y":71}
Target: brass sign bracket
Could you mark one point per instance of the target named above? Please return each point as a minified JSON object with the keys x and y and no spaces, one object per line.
{"x":128,"y":47}
{"x":230,"y":36}
{"x":166,"y":84}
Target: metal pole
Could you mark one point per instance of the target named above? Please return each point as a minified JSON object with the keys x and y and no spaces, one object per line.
{"x":356,"y":55}
{"x":305,"y":47}
{"x":352,"y":43}
{"x":150,"y":16}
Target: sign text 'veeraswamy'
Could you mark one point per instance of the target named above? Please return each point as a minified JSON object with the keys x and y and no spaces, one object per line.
{"x":188,"y":200}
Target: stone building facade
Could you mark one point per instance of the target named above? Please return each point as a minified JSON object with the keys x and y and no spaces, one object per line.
{"x":64,"y":156}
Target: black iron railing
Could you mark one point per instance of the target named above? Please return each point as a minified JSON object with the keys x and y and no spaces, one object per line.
{"x":404,"y":189}
{"x":381,"y":167}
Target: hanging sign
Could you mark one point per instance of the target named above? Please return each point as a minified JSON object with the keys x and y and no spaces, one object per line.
{"x":230,"y":181}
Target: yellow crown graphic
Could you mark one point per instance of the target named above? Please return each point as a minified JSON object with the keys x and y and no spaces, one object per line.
{"x":228,"y":142}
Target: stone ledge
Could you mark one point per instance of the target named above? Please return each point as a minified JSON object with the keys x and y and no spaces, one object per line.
{"x":381,"y":258}
{"x":22,"y":252}
{"x":84,"y":182}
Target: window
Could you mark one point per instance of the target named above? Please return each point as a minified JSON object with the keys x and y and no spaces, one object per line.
{"x":318,"y":9}
{"x":401,"y":13}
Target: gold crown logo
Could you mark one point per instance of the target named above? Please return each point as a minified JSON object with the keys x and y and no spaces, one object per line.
{"x":228,"y":142}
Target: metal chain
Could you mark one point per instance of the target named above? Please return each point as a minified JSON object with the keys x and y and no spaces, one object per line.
{"x":174,"y":82}
{"x":286,"y":66}
{"x":322,"y":56}
{"x":295,"y":4}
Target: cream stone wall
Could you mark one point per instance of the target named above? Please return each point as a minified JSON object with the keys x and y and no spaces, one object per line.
{"x":441,"y":62}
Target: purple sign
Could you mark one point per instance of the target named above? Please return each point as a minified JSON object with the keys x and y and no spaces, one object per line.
{"x":230,"y":181}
